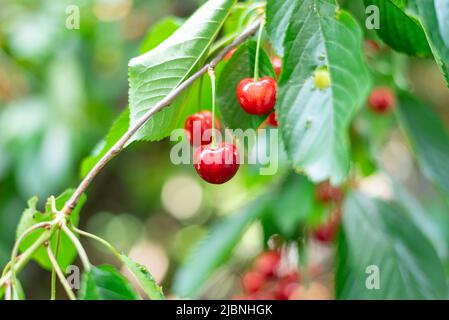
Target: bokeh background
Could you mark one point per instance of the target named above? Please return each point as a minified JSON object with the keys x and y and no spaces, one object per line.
{"x":61,"y":89}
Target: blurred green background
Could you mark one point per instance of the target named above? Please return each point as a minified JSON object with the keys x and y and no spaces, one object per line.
{"x":61,"y":89}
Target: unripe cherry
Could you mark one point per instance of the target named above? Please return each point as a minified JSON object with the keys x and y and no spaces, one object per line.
{"x":322,"y":79}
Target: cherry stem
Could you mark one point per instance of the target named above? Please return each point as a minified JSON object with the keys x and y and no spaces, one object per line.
{"x":259,"y":40}
{"x":211,"y":73}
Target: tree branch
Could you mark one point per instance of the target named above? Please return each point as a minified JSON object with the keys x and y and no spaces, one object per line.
{"x":120,"y":144}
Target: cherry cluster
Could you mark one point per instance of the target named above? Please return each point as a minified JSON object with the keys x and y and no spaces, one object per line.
{"x":266,"y":280}
{"x":217,"y":163}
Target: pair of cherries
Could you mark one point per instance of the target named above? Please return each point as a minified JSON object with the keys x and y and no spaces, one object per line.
{"x":215,"y":164}
{"x":218,"y":163}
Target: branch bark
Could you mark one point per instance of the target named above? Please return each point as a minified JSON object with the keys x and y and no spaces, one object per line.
{"x":120,"y":144}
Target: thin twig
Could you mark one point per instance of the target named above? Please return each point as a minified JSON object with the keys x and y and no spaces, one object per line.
{"x":60,"y":274}
{"x":26,"y":256}
{"x":53,"y":271}
{"x":15,"y":249}
{"x":100,"y":240}
{"x":79,"y":247}
{"x":8,"y":291}
{"x":119,"y":145}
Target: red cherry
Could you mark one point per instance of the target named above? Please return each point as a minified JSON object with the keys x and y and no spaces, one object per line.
{"x":253,"y":281}
{"x":326,"y":193}
{"x":229,"y":55}
{"x":272,"y":120}
{"x":371,"y":47}
{"x":277,"y":65}
{"x":218,"y":164}
{"x":267,"y":263}
{"x":286,"y":286}
{"x":197,"y":124}
{"x":381,"y":100}
{"x":327,"y":232}
{"x":257,"y":97}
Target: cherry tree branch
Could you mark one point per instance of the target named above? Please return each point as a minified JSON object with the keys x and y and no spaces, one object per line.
{"x":121,"y":143}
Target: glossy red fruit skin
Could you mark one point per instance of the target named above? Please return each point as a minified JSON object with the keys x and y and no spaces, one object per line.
{"x":267,"y":263}
{"x":205,"y":119}
{"x":382,"y":100}
{"x":216,"y":165}
{"x":257,"y":97}
{"x":327,"y":193}
{"x":253,"y":281}
{"x":272,"y":120}
{"x":277,"y":65}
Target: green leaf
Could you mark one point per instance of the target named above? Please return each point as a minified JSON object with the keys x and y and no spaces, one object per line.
{"x":146,"y":280}
{"x":153,"y":75}
{"x":215,"y":249}
{"x":429,"y":139}
{"x":67,"y":251}
{"x":432,"y":226}
{"x":278,"y":20}
{"x":117,"y":130}
{"x":400,"y":31}
{"x":434,"y":16}
{"x":376,"y":233}
{"x":314,"y":122}
{"x":106,"y":283}
{"x":240,"y":66}
{"x":286,"y":214}
{"x":159,"y":32}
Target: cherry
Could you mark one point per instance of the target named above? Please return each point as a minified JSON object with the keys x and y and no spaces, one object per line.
{"x":286,"y":285}
{"x":216,"y":164}
{"x":327,"y":193}
{"x":267,"y":263}
{"x":371,"y":47}
{"x":229,"y":55}
{"x":277,"y":65}
{"x":253,"y":281}
{"x":257,"y":97}
{"x":327,"y":232}
{"x":381,"y":100}
{"x":197,"y":124}
{"x":272,"y":120}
